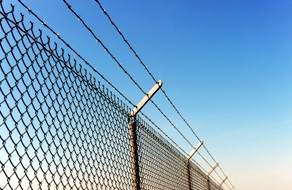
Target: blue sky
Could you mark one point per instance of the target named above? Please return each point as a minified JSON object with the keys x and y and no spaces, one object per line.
{"x":225,"y":64}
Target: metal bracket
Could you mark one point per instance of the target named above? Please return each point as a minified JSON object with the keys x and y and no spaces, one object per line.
{"x":213,"y":168}
{"x":223,"y":181}
{"x":195,"y":150}
{"x":146,"y":98}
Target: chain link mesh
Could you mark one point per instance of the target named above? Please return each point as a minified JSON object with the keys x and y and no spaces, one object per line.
{"x":61,"y":129}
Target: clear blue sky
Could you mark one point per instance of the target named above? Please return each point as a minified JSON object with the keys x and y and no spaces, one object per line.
{"x":227,"y":66}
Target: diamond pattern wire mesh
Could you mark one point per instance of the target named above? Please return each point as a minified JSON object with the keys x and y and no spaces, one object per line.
{"x":161,"y":165}
{"x":62,"y":129}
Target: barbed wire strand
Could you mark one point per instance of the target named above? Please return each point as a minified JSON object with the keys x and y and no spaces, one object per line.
{"x":145,"y":67}
{"x":121,"y":66}
{"x":148,"y":71}
{"x":218,"y":165}
{"x":96,"y":71}
{"x":227,"y":178}
{"x":222,"y":179}
{"x":152,"y":76}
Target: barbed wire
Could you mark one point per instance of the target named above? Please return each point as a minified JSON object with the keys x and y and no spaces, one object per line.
{"x":104,"y":46}
{"x":96,"y":71}
{"x":74,"y":51}
{"x":227,"y":178}
{"x":218,"y":165}
{"x":121,"y":66}
{"x":145,"y":67}
{"x":132,"y":79}
{"x":152,"y":76}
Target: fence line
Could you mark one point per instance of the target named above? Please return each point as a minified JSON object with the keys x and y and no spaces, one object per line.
{"x":62,"y":129}
{"x":135,"y":82}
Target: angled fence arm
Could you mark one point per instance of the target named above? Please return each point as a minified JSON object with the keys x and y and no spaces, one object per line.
{"x":223,"y":181}
{"x":212,"y":169}
{"x":146,"y":98}
{"x":196,"y":148}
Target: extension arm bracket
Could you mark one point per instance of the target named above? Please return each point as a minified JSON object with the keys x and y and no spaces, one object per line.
{"x":147,"y":97}
{"x":195,"y":150}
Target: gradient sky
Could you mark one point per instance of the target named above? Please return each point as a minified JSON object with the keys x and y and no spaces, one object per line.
{"x":226,"y":65}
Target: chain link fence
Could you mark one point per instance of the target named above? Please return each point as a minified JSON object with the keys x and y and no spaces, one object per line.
{"x":61,"y":129}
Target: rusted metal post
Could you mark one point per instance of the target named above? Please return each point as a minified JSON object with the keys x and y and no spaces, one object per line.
{"x":132,"y":127}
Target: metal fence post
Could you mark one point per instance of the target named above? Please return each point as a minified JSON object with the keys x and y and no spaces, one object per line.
{"x":134,"y":155}
{"x":188,"y":162}
{"x":209,"y":173}
{"x":132,"y":127}
{"x":208,"y":183}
